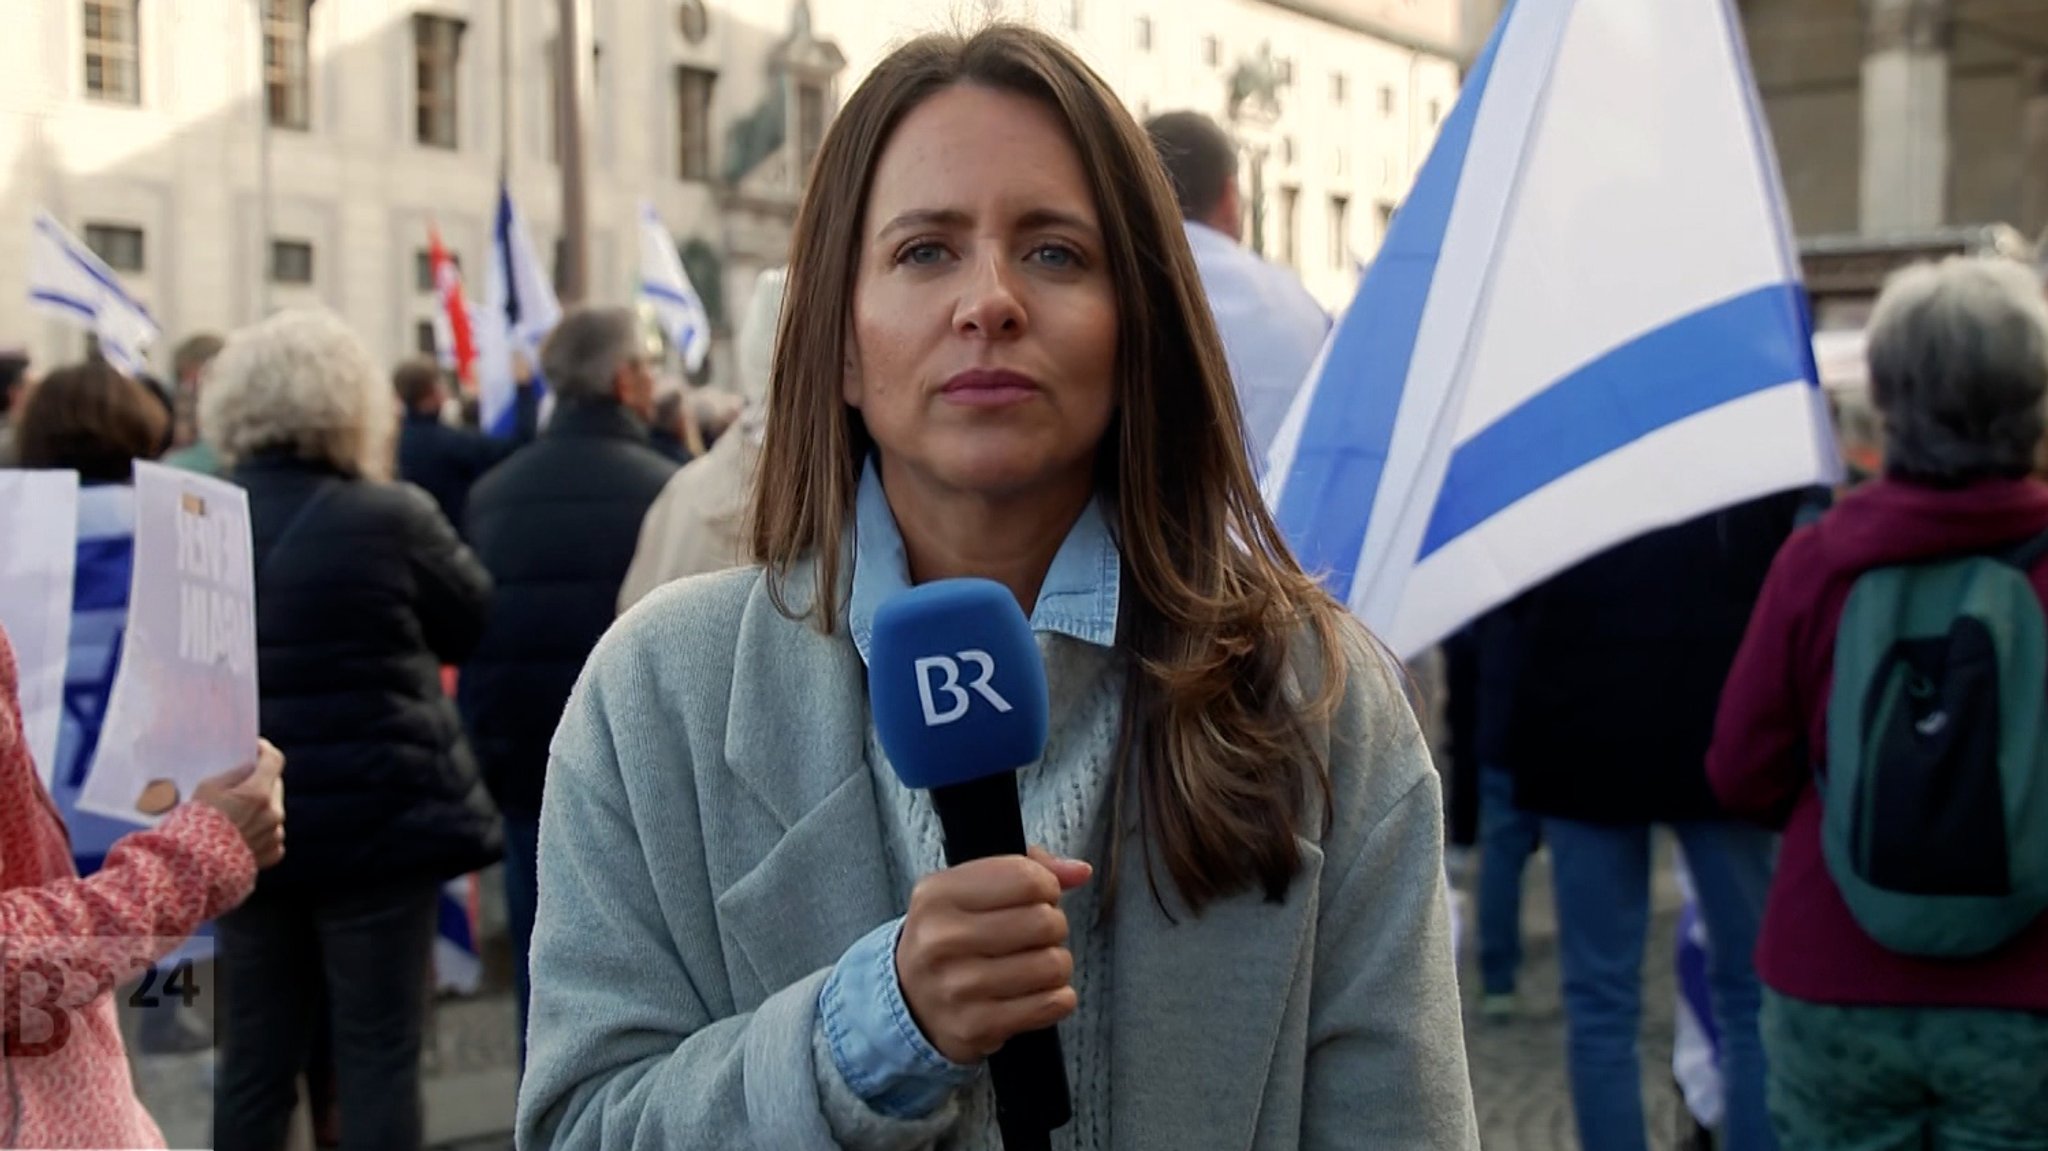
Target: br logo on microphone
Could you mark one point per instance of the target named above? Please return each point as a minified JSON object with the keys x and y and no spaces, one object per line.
{"x":956,"y":683}
{"x":948,"y":669}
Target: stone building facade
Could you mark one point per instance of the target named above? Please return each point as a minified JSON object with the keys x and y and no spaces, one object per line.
{"x":167,"y":134}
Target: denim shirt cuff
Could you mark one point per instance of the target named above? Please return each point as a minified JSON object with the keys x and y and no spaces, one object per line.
{"x":875,"y":1044}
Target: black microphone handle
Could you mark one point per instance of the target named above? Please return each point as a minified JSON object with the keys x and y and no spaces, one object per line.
{"x":981,"y":818}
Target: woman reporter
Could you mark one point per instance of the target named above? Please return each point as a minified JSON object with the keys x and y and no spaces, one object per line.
{"x":995,"y":361}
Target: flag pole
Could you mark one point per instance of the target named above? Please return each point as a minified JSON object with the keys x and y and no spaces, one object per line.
{"x":504,"y":90}
{"x":263,"y":238}
{"x":573,"y":51}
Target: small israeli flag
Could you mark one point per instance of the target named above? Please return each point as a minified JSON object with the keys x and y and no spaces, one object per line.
{"x":67,"y":280}
{"x":520,"y":309}
{"x":667,"y":289}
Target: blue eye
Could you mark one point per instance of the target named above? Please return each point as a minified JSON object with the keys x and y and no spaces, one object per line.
{"x":1057,"y":256}
{"x":924,"y":253}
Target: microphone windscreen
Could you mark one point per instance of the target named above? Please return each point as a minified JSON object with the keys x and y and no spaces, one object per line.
{"x":955,"y":683}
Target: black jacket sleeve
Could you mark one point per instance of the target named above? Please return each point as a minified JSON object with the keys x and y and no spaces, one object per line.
{"x":454,"y":590}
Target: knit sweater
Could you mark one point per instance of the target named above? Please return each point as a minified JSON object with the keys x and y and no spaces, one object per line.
{"x":1063,"y":797}
{"x":155,"y":887}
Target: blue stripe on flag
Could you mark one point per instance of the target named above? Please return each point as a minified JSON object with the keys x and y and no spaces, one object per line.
{"x":1327,"y":496}
{"x":502,"y":236}
{"x":1743,"y":345}
{"x":105,"y":569}
{"x":83,"y":264}
{"x":1691,"y":964}
{"x":84,"y":310}
{"x":452,"y":921}
{"x":666,"y":293}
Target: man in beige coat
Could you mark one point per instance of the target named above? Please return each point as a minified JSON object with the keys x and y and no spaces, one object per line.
{"x":696,"y":524}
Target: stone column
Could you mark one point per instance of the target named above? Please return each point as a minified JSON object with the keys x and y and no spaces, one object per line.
{"x":2033,"y":210}
{"x":1905,"y":115}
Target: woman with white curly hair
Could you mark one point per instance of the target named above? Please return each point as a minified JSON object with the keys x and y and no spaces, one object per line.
{"x":363,"y":591}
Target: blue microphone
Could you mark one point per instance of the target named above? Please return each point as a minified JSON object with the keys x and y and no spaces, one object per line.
{"x":957,"y":690}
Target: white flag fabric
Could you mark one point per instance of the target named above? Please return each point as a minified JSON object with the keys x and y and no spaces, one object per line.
{"x":666,"y":287}
{"x":1586,"y":323}
{"x":520,"y":309}
{"x":184,"y":701}
{"x":38,"y":557}
{"x":67,"y":280}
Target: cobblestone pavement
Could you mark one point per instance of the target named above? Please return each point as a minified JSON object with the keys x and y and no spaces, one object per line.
{"x":1518,"y":1068}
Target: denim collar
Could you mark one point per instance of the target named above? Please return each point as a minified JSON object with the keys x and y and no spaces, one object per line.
{"x":1078,"y":598}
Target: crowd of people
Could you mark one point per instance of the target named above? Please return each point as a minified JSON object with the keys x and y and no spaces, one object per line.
{"x":1030,"y":350}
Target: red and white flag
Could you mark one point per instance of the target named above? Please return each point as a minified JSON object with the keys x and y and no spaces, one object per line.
{"x":460,"y":339}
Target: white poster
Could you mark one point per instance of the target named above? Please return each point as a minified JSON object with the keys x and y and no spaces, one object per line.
{"x":38,"y":553}
{"x":184,"y":702}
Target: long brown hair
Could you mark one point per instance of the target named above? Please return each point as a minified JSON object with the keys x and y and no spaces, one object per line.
{"x":1217,"y":740}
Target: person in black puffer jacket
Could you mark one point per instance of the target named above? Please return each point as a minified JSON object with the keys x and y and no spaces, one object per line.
{"x":556,"y":525}
{"x":444,"y":461}
{"x":363,"y":592}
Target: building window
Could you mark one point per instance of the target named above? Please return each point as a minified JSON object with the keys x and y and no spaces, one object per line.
{"x":1386,"y":220}
{"x":291,"y":262}
{"x":810,"y":123}
{"x":437,"y":54}
{"x":1285,"y":71}
{"x":113,"y":51}
{"x":1290,"y":226}
{"x":424,"y":339}
{"x":287,"y":87}
{"x":1287,"y":150}
{"x":423,"y":269}
{"x":694,"y":21}
{"x":1144,"y":33}
{"x":1070,"y":14}
{"x":1212,"y":51}
{"x":693,"y":123}
{"x":1340,"y":231}
{"x":119,"y":245}
{"x":1339,"y":89}
{"x":1436,"y":112}
{"x":1386,"y":99}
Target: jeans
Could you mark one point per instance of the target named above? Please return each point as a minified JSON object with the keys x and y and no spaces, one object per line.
{"x":367,"y":953}
{"x":1905,"y":1078}
{"x":522,"y":896}
{"x":1507,"y":837}
{"x":1602,"y":874}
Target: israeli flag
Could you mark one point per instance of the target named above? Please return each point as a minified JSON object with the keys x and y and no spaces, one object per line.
{"x":1696,"y":1043}
{"x":520,"y":310}
{"x":1586,"y":323}
{"x":67,"y":280}
{"x":667,"y":289}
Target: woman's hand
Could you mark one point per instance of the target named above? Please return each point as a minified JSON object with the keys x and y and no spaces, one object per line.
{"x":252,"y":797}
{"x":983,"y":951}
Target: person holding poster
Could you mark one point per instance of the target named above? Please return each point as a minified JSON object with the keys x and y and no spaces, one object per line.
{"x":363,"y":591}
{"x":67,"y":1079}
{"x":91,"y":419}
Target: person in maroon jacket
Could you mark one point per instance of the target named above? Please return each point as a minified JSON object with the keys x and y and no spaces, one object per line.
{"x":1870,"y":1049}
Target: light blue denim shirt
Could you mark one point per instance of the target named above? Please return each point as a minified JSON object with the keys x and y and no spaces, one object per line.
{"x":875,"y":1043}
